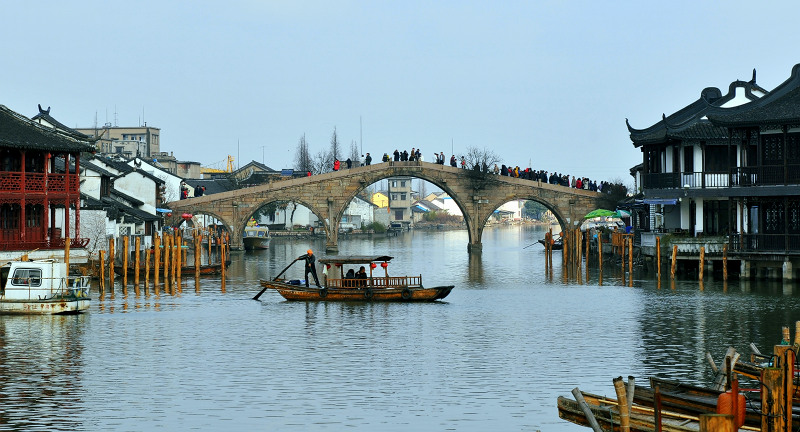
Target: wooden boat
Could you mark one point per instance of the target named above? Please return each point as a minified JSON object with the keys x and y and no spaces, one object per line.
{"x":642,"y":419}
{"x":557,"y":244}
{"x":695,"y":400}
{"x":206,"y":269}
{"x":337,"y":287}
{"x":41,"y":287}
{"x":255,"y":236}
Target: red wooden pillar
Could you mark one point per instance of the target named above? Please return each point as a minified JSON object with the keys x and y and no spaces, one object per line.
{"x":78,"y":196}
{"x":22,"y":225}
{"x":46,"y":222}
{"x":67,"y":200}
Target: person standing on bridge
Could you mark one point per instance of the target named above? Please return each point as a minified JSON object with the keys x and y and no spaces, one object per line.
{"x":311,"y":266}
{"x":336,"y":164}
{"x":368,"y":159}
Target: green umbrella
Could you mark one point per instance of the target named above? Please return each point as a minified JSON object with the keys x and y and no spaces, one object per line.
{"x":599,"y":213}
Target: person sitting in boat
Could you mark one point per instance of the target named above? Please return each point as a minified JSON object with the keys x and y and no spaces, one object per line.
{"x":361,"y":277}
{"x":349,"y":276}
{"x":310,"y":266}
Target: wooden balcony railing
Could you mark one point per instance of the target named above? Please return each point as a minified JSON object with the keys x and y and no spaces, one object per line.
{"x":767,"y":175}
{"x":764,"y":243}
{"x":38,"y":182}
{"x":7,"y":242}
{"x":381,"y":281}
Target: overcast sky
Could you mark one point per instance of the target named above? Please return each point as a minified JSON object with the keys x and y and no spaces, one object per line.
{"x":542,"y":83}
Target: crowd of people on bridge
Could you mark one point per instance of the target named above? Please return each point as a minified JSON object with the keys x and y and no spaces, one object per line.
{"x":541,"y":176}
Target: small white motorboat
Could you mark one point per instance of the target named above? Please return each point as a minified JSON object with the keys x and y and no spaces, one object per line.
{"x":41,"y":287}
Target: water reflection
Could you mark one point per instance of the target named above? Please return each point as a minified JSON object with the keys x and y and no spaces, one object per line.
{"x":509,"y":339}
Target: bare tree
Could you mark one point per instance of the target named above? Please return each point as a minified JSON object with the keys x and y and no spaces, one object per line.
{"x":321,"y":163}
{"x":302,"y":157}
{"x":355,"y":156}
{"x":336,"y":151}
{"x":480,"y":163}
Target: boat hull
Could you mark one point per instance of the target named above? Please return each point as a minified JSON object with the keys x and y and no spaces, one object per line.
{"x":255,"y":243}
{"x":407,"y":294}
{"x":67,"y":305}
{"x":606,"y":412}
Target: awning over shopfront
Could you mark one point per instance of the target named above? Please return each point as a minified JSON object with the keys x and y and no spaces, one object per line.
{"x":661,"y":201}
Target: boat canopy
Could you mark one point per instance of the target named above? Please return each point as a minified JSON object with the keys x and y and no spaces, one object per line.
{"x":353,"y":259}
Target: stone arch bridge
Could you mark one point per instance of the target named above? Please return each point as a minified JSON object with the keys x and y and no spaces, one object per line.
{"x":328,"y":195}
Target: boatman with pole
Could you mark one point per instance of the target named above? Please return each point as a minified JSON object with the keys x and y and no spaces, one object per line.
{"x":311,"y":266}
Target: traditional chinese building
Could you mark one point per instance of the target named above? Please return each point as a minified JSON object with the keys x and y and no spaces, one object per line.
{"x":725,"y":170}
{"x":39,"y":185}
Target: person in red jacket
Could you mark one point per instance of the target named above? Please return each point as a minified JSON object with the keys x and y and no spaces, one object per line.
{"x":336,"y":164}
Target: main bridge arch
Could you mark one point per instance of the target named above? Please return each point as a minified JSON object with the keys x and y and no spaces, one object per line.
{"x":328,"y":195}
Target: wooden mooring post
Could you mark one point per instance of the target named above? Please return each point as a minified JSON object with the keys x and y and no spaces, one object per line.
{"x":725,"y":262}
{"x":630,"y":255}
{"x":198,"y":238}
{"x":658,"y":257}
{"x":137,"y":246}
{"x":102,"y":269}
{"x":66,"y":256}
{"x":674,"y":259}
{"x":702,"y":262}
{"x":146,"y":268}
{"x":125,"y":244}
{"x":111,"y":258}
{"x":167,"y":239}
{"x":716,"y":423}
{"x":156,"y":257}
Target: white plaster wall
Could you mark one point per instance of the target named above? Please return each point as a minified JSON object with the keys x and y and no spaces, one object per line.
{"x":140,"y":187}
{"x":90,"y":184}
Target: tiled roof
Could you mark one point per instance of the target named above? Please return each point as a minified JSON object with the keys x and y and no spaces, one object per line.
{"x":780,"y":106}
{"x":45,"y":115}
{"x":17,"y":131}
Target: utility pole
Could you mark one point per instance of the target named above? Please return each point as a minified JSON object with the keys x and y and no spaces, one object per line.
{"x":361,"y":135}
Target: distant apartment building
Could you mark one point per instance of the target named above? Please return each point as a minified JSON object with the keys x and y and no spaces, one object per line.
{"x":400,"y":199}
{"x":142,"y":141}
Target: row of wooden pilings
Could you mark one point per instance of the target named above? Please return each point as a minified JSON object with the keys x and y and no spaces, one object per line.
{"x":169,"y":259}
{"x":576,"y":249}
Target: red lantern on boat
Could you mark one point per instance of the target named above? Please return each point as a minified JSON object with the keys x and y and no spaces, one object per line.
{"x":384,"y":264}
{"x":338,"y":264}
{"x":372,"y":265}
{"x":327,"y":266}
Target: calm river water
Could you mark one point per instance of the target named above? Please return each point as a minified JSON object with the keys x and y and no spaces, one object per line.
{"x":494,"y":356}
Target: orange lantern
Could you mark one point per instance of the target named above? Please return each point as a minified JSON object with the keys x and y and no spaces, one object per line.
{"x":372,"y":265}
{"x":384,"y":264}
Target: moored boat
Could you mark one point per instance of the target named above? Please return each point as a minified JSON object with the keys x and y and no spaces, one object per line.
{"x":607,"y":414}
{"x":255,"y":236}
{"x":339,"y":287}
{"x":556,"y":244}
{"x":41,"y":287}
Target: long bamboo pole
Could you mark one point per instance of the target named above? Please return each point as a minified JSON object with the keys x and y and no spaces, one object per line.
{"x":622,"y":403}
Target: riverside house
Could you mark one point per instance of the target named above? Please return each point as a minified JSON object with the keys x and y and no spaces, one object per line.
{"x":725,"y":172}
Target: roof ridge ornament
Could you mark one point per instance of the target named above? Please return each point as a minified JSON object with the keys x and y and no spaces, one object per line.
{"x":753,"y":81}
